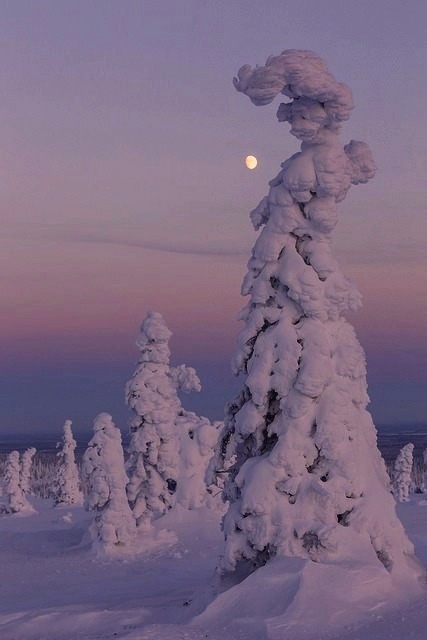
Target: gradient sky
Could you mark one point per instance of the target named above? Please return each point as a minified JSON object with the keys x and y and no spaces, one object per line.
{"x":123,"y":189}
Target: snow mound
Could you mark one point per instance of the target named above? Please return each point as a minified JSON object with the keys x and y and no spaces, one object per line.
{"x":298,"y":599}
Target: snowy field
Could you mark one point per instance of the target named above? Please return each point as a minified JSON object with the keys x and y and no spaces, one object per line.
{"x":54,"y":588}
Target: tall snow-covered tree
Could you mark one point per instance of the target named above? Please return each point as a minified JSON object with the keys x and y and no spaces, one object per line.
{"x":104,"y":471}
{"x":16,"y":500}
{"x":67,"y":481}
{"x":402,"y":472}
{"x":25,"y":472}
{"x":154,"y":450}
{"x":308,"y":479}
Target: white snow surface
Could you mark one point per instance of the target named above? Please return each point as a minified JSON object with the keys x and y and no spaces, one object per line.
{"x":165,"y":587}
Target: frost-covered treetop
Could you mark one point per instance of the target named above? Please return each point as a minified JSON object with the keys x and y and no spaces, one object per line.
{"x":153,"y":339}
{"x":298,"y":75}
{"x":68,"y":434}
{"x":104,"y":422}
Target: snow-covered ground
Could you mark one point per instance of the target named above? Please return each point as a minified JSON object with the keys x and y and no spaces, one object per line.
{"x":53,"y":588}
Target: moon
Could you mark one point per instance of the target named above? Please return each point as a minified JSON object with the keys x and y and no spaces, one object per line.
{"x":251,"y":162}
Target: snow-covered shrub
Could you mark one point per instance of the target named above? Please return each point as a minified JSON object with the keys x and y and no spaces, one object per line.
{"x":402,"y":472}
{"x":104,"y":471}
{"x":308,"y":479}
{"x":154,"y":450}
{"x":67,"y":482}
{"x":15,"y":499}
{"x":198,"y":437}
{"x":26,"y":464}
{"x":422,"y":472}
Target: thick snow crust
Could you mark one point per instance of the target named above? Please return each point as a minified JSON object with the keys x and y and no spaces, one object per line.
{"x":402,"y":472}
{"x":104,"y":472}
{"x":169,"y":448}
{"x":308,"y":481}
{"x":67,"y":481}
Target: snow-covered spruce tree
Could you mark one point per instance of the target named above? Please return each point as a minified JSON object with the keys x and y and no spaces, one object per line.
{"x":67,"y":481}
{"x":154,"y":450}
{"x":25,"y":474}
{"x":424,"y":472}
{"x":16,"y":500}
{"x":308,"y":479}
{"x":103,"y":470}
{"x":402,"y":472}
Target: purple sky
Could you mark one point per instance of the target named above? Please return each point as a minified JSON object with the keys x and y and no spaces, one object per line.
{"x":123,"y":189}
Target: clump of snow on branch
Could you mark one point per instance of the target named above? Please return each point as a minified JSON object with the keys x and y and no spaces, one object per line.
{"x":306,"y":477}
{"x":67,"y":481}
{"x":402,"y":472}
{"x":296,"y":74}
{"x":16,"y":501}
{"x":25,"y":473}
{"x":160,"y":427}
{"x":104,"y":472}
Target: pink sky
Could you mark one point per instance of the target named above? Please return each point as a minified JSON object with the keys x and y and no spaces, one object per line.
{"x":124,"y":187}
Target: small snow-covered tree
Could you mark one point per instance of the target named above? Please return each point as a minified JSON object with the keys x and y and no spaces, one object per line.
{"x":154,"y":450}
{"x":424,"y":472}
{"x":25,"y":475}
{"x":197,"y":437}
{"x":308,"y":479}
{"x":67,"y":481}
{"x":104,"y":472}
{"x":16,"y":500}
{"x":402,"y":472}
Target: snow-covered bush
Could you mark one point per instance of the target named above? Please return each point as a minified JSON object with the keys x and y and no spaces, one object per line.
{"x":104,"y":471}
{"x":422,"y":471}
{"x":67,"y":482}
{"x":154,"y":450}
{"x":308,"y":479}
{"x":197,"y":437}
{"x":15,"y":499}
{"x":26,"y":464}
{"x":402,"y":472}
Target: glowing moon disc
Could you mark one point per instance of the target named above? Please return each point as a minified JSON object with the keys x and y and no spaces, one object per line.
{"x":251,"y":162}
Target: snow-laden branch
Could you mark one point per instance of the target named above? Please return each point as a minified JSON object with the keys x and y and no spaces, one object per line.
{"x":296,"y":74}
